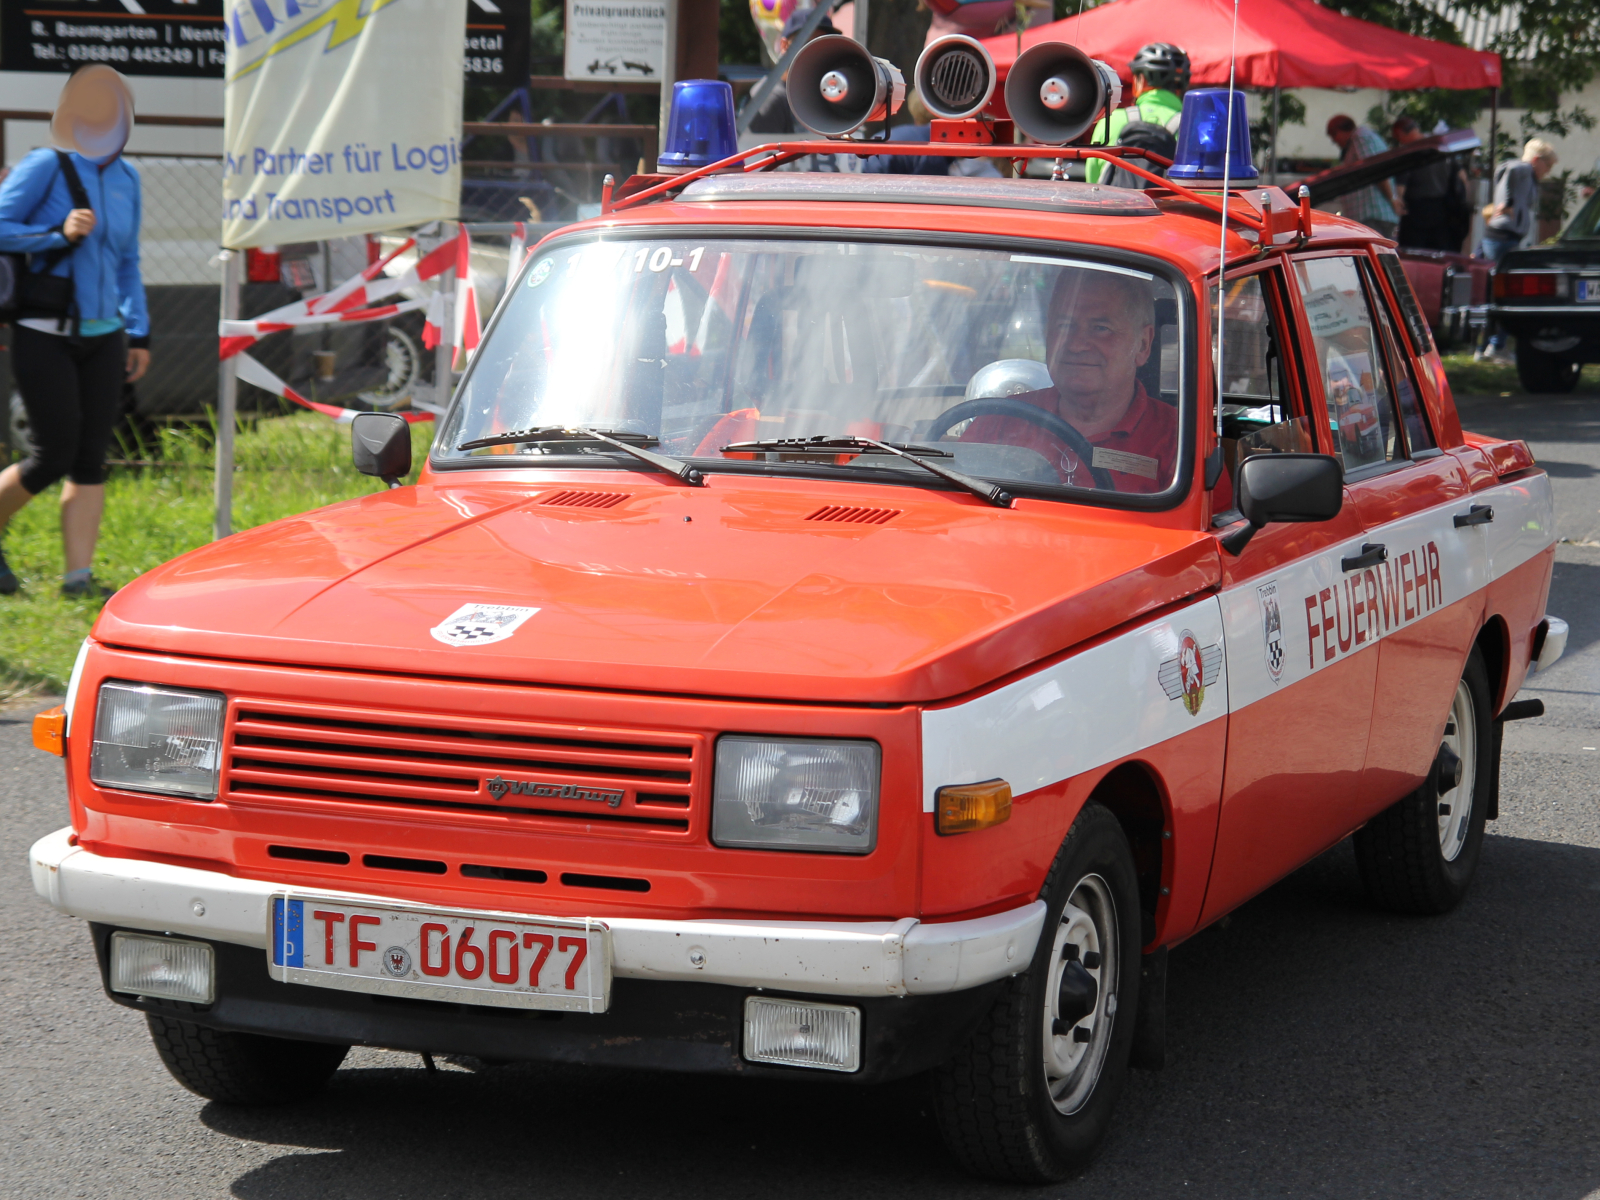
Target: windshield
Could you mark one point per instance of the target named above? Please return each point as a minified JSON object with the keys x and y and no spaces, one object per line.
{"x":1585,"y":227}
{"x":1022,"y":368}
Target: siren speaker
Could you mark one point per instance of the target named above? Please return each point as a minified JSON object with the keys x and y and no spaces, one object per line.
{"x":835,"y":86}
{"x":1055,"y":92}
{"x":955,"y":77}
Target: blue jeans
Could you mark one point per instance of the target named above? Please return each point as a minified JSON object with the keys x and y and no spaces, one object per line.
{"x":1494,"y":249}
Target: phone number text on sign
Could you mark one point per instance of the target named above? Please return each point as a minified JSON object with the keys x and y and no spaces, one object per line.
{"x":477,"y":957}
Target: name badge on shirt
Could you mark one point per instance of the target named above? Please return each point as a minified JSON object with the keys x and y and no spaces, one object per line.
{"x":1127,"y":463}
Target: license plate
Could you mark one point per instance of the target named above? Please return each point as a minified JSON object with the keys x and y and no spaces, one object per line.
{"x":431,"y":954}
{"x":1589,"y":290}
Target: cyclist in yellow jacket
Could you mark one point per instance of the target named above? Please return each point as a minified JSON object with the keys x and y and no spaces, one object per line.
{"x":1160,"y":75}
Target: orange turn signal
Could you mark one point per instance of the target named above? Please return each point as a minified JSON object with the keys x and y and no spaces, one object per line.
{"x":970,"y":806}
{"x":50,"y":731}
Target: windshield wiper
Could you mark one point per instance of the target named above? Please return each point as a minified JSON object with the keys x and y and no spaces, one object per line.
{"x":548,"y":435}
{"x":984,"y":490}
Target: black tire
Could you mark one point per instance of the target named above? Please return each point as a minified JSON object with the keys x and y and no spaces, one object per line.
{"x":1549,"y":374}
{"x":1415,"y":859}
{"x":993,"y":1098}
{"x":242,"y":1068}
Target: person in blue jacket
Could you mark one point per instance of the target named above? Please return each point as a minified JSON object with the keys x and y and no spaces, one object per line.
{"x":70,"y":359}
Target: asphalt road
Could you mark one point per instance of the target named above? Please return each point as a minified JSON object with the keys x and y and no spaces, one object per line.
{"x":1316,"y":1047}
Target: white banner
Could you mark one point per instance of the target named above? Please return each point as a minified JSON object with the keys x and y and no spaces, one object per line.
{"x":343,"y":117}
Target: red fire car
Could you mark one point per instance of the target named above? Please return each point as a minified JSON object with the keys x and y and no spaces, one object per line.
{"x":841,"y":631}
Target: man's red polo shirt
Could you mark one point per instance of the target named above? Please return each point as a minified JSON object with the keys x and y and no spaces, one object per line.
{"x":1140,"y":451}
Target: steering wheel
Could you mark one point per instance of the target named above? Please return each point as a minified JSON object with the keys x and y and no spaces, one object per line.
{"x":1004,"y":406}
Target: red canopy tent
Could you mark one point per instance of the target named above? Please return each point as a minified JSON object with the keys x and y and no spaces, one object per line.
{"x":1282,"y":43}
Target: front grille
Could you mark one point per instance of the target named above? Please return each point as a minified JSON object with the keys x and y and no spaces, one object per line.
{"x":621,"y":782}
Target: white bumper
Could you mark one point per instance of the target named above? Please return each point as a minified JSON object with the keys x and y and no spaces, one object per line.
{"x":835,"y":958}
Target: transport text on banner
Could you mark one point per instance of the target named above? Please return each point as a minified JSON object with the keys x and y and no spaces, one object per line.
{"x":342,"y":118}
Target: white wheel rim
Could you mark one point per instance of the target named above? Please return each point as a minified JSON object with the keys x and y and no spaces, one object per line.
{"x":1086,"y":933}
{"x":1455,"y":806}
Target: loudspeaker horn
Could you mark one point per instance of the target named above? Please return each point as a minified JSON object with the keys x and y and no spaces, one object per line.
{"x":835,"y":86}
{"x":1056,"y":92}
{"x":955,"y":77}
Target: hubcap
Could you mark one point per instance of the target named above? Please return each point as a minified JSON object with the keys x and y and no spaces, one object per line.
{"x":1081,"y":994}
{"x":1455,"y":806}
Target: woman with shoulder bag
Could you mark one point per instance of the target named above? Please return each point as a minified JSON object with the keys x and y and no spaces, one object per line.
{"x":79,"y":325}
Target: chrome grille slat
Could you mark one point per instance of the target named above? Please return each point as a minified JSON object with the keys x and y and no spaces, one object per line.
{"x":279,"y":755}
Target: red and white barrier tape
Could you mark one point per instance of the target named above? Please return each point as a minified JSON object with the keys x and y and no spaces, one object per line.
{"x":251,"y":371}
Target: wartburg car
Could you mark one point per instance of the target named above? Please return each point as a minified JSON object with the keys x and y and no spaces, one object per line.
{"x":847,"y":626}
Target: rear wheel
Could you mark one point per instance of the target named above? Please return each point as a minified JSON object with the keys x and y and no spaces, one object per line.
{"x":1547,"y":373}
{"x":1030,"y":1096}
{"x":242,"y":1068}
{"x":1419,"y":855}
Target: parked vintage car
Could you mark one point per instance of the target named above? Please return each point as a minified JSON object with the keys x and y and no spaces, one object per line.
{"x":840,"y":631}
{"x":1548,"y":298}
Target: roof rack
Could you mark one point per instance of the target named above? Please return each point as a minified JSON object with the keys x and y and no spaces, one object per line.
{"x":772,"y":155}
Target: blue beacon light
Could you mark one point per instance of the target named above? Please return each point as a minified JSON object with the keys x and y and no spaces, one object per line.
{"x":700,"y":127}
{"x":1203,"y":132}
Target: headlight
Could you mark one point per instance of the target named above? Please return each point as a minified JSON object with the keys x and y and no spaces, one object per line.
{"x":156,"y":739}
{"x":796,"y":794}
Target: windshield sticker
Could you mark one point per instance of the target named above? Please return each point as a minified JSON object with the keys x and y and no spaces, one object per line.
{"x":480,"y":624}
{"x":1330,"y":312}
{"x":1126,"y":461}
{"x":541,"y":272}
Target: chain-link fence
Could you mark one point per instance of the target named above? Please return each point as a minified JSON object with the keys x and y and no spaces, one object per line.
{"x":373,"y":365}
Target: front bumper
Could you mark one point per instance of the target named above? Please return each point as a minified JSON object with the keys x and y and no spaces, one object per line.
{"x":832,"y":958}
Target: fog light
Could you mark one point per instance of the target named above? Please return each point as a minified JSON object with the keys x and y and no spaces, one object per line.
{"x":168,"y":968}
{"x":799,"y":1034}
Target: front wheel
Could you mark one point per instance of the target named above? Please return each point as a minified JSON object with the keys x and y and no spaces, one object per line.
{"x":242,"y":1068}
{"x":1418,"y":855}
{"x":1548,"y":374}
{"x":1030,"y":1096}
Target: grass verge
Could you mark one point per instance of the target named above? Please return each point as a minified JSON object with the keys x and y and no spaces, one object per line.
{"x":284,"y":465}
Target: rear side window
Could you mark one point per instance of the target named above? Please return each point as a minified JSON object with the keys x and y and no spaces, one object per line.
{"x":1349,"y":356}
{"x":1416,"y":323}
{"x":1415,"y":422}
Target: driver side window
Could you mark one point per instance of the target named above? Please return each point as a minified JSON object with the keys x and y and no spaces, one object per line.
{"x":1262,"y":412}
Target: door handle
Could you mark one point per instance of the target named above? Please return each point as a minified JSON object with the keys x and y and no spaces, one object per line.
{"x":1372,"y":553}
{"x":1478,"y":514}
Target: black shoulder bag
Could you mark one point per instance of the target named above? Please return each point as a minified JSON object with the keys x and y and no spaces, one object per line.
{"x":25,"y":292}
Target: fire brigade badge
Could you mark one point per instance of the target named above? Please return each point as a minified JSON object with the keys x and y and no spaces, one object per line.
{"x":480,"y":624}
{"x":1271,"y":628}
{"x":396,"y":961}
{"x":1187,"y":676}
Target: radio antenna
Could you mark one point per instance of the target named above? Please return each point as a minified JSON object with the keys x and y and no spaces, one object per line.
{"x":1222,"y":246}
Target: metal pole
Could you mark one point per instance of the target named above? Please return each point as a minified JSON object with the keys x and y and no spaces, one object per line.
{"x":227,"y":401}
{"x":859,"y":31}
{"x":1272,"y":167}
{"x":669,"y":72}
{"x":445,"y":351}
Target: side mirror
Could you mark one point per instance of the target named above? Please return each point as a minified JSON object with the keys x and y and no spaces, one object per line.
{"x":1285,"y":487}
{"x":380,"y":443}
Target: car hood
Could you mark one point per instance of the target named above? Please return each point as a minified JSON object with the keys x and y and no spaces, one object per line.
{"x":786,"y":589}
{"x":1344,"y":178}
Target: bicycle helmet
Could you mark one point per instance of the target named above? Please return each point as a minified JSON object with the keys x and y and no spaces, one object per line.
{"x":1163,"y":65}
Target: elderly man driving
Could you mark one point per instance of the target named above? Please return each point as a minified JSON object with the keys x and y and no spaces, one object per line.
{"x":1100,"y":330}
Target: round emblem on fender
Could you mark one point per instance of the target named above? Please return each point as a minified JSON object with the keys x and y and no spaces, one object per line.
{"x":396,"y":961}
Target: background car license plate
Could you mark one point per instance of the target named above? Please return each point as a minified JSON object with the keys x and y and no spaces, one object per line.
{"x":1589,"y":290}
{"x":468,"y":957}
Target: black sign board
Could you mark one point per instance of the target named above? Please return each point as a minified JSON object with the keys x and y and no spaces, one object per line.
{"x":497,"y":42}
{"x":170,"y":37}
{"x":186,"y":37}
